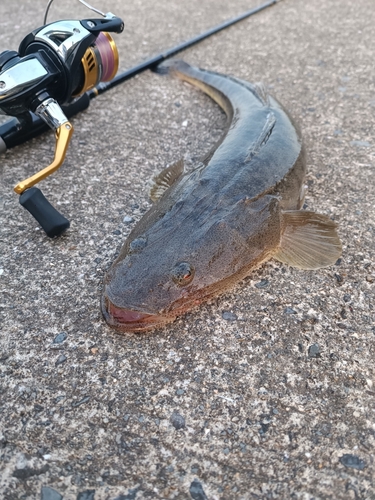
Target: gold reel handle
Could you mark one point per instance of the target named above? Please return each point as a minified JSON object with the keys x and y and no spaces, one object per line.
{"x":63,"y":136}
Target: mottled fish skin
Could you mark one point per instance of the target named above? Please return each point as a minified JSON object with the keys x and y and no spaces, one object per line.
{"x":216,"y":223}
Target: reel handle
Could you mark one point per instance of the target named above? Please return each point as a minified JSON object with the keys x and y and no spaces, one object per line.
{"x":53,"y":223}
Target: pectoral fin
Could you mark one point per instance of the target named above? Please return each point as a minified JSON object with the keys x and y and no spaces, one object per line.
{"x":308,"y":241}
{"x":166,"y":179}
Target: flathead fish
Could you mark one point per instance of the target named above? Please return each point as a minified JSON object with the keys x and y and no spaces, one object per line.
{"x":210,"y":227}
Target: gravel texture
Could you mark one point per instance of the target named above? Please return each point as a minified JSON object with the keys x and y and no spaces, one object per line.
{"x":267,"y":391}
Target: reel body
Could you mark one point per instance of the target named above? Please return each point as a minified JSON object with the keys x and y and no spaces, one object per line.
{"x":55,"y":65}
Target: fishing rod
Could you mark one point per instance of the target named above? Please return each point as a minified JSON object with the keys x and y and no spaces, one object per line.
{"x":57,"y":70}
{"x":153,"y":62}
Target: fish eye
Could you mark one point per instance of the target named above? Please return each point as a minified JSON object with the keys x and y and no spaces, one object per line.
{"x":183,"y":273}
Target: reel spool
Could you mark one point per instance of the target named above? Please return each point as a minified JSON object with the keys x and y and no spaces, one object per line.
{"x":99,"y":63}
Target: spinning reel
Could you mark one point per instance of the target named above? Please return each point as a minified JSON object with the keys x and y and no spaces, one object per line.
{"x":48,"y":78}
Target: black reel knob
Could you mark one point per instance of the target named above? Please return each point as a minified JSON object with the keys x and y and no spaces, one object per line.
{"x":53,"y":223}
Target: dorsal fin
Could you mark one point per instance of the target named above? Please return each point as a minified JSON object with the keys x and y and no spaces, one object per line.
{"x":263,"y":137}
{"x":165,"y":179}
{"x":261,"y":92}
{"x":258,"y":89}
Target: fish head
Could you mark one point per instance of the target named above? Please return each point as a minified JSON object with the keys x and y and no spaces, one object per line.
{"x":166,"y":269}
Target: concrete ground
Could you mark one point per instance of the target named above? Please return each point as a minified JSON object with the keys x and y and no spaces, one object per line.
{"x":268,"y":391}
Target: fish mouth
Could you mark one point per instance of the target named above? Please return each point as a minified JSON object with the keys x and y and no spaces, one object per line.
{"x":130,"y":320}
